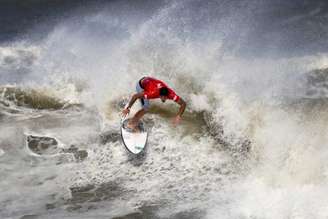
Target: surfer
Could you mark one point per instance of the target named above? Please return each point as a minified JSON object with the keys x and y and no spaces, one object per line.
{"x":151,"y":88}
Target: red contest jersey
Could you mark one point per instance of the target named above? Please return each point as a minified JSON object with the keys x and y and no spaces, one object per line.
{"x":151,"y":88}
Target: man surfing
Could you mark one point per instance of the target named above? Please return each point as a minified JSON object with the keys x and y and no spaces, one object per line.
{"x":151,"y":88}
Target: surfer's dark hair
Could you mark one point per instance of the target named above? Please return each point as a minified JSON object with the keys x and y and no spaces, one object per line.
{"x":163,"y":91}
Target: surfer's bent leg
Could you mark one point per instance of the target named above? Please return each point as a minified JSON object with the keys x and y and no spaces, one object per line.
{"x":138,"y":116}
{"x":144,"y":103}
{"x":145,"y":106}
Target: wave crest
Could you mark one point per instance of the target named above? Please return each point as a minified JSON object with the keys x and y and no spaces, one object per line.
{"x":29,"y":98}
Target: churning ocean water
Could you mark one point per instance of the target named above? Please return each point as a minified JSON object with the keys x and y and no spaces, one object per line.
{"x":253,"y":142}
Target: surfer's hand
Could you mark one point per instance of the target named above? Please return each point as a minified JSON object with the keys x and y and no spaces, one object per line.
{"x":126,"y":111}
{"x":176,"y":120}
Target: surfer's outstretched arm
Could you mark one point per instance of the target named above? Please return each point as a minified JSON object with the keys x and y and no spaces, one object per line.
{"x":182,"y":108}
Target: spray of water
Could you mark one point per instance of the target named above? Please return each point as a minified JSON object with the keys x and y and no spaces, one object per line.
{"x":250,"y":145}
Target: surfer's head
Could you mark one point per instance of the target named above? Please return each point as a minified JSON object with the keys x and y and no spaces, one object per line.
{"x":163,"y":93}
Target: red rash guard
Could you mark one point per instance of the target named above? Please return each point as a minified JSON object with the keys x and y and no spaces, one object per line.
{"x":151,"y":88}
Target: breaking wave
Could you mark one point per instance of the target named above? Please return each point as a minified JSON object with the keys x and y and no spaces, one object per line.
{"x":251,"y":144}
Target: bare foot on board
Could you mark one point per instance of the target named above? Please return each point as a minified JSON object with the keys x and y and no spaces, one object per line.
{"x":132,"y":126}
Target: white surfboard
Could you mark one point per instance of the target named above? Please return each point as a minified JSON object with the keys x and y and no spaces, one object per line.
{"x":134,"y":142}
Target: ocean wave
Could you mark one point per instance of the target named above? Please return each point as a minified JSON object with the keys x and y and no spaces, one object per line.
{"x":247,"y":128}
{"x":30,"y":98}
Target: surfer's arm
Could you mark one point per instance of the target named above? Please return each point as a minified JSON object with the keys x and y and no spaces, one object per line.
{"x":134,"y":98}
{"x":182,"y":104}
{"x":182,"y":108}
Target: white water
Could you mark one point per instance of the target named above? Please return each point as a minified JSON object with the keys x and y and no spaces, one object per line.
{"x":97,"y":59}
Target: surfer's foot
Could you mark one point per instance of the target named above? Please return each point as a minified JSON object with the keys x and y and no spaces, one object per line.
{"x":133,"y":126}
